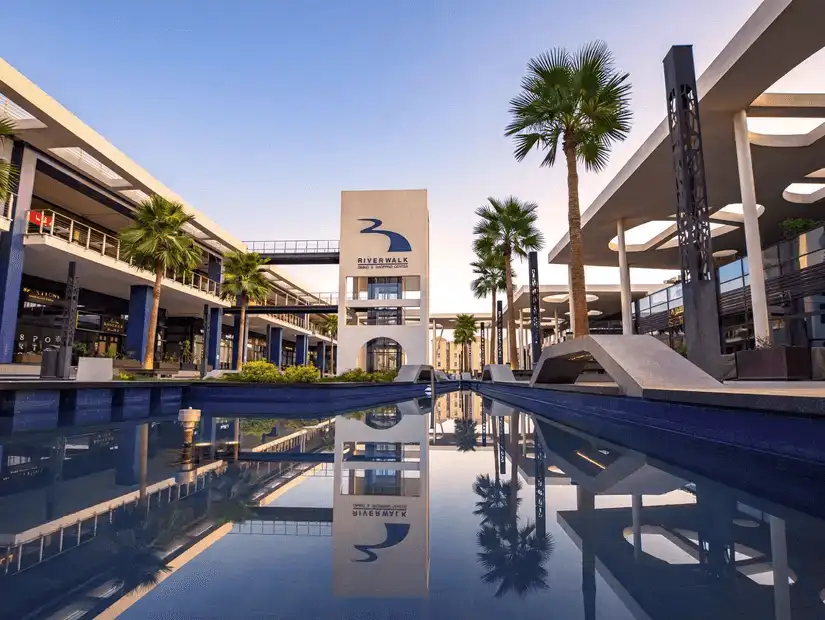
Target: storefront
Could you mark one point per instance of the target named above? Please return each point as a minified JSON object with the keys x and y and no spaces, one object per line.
{"x":101,"y":321}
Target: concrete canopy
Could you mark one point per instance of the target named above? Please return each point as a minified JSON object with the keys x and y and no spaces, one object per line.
{"x":779,"y":36}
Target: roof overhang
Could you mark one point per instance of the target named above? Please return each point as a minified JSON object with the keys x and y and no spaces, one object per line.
{"x":779,"y":36}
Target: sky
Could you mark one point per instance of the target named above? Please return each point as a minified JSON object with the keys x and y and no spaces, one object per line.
{"x":259,"y":112}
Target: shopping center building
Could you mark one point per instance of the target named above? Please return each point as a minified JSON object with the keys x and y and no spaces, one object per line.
{"x":75,"y":193}
{"x":764,"y":168}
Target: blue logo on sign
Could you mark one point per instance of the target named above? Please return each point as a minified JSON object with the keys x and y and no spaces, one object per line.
{"x":398,"y":242}
{"x":396,"y":532}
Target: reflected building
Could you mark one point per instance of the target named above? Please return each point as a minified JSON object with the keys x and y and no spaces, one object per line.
{"x":380,"y":533}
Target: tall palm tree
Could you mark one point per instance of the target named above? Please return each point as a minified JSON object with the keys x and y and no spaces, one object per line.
{"x":330,"y":328}
{"x":464,"y":334}
{"x":464,"y":434}
{"x":244,"y":281}
{"x":490,"y":280}
{"x":8,"y":172}
{"x":158,"y":241}
{"x":583,"y":101}
{"x":508,"y":228}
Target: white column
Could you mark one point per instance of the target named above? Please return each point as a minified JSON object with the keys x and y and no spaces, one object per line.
{"x":781,"y":573}
{"x":624,"y":280}
{"x":521,"y":340}
{"x":432,"y":361}
{"x":570,"y":298}
{"x":556,"y":324}
{"x":753,"y":244}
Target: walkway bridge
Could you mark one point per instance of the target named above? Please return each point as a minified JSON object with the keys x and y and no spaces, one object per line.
{"x":309,"y":303}
{"x":297,"y":252}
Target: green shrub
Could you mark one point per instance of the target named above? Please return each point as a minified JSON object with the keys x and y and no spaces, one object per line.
{"x":301,"y":374}
{"x":354,"y":375}
{"x":124,"y":376}
{"x":258,"y":372}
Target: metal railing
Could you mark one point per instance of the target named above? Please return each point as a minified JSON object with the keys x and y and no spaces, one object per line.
{"x":296,"y":246}
{"x":66,"y":533}
{"x":53,"y":224}
{"x":11,"y":110}
{"x":6,"y":206}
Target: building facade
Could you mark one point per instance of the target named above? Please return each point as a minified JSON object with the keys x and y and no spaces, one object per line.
{"x":383,"y":279}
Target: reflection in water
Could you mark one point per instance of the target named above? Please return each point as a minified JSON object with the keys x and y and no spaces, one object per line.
{"x":403,"y":503}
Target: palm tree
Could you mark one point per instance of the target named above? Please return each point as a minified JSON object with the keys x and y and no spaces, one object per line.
{"x":490,"y":280}
{"x":583,"y":101}
{"x":158,"y":241}
{"x":8,"y":172}
{"x":512,"y":555}
{"x":244,"y":281}
{"x":465,"y":435}
{"x":330,"y":328}
{"x":507,"y":228}
{"x":464,"y":334}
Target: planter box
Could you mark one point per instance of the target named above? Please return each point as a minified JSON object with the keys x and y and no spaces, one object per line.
{"x":127,"y":363}
{"x":189,"y":366}
{"x":167,"y":366}
{"x":774,"y":364}
{"x":30,"y":358}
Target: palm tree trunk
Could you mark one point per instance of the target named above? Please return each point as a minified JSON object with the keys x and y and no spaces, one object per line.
{"x":495,"y":444}
{"x":578,"y":293}
{"x":511,"y":322}
{"x":493,"y":324}
{"x":152,"y":331}
{"x":514,"y":459}
{"x":241,"y":334}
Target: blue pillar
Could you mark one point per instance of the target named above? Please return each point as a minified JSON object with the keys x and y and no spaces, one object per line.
{"x":301,"y":349}
{"x":11,"y":251}
{"x":137,"y":328}
{"x":275,"y":343}
{"x":236,"y":341}
{"x":213,"y":351}
{"x":127,"y":470}
{"x":215,"y":268}
{"x":321,"y":356}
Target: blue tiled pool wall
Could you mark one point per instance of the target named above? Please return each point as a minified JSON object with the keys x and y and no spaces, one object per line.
{"x":32,"y":409}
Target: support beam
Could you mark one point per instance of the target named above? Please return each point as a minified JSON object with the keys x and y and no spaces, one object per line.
{"x":11,"y":251}
{"x":624,"y":281}
{"x":301,"y":349}
{"x":214,"y":344}
{"x":321,"y":356}
{"x":137,"y":328}
{"x":275,"y":344}
{"x":747,"y":188}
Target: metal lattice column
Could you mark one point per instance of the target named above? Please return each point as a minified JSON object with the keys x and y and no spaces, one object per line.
{"x":535,"y":310}
{"x":699,"y":287}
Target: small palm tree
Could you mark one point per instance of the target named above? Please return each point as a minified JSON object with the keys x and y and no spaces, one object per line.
{"x":465,"y":435}
{"x":490,"y":280}
{"x":8,"y":172}
{"x":244,"y":281}
{"x":464,"y":334}
{"x":157,"y":241}
{"x":582,"y":101}
{"x":508,"y":228}
{"x":330,"y":328}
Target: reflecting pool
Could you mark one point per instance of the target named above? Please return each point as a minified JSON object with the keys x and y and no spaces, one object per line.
{"x":470,"y":509}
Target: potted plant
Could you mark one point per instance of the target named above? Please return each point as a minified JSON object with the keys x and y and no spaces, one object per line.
{"x":31,"y":357}
{"x":126,"y":360}
{"x":169,"y":362}
{"x":773,"y":363}
{"x":79,"y":349}
{"x":187,"y":357}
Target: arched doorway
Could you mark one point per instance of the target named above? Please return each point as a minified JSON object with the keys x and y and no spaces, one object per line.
{"x":383,"y":354}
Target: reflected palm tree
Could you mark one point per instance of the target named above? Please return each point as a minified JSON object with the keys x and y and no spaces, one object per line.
{"x":512,"y":554}
{"x":465,"y":435}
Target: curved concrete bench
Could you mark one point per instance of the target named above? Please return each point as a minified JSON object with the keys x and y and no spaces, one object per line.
{"x":414,"y":373}
{"x":635,"y":363}
{"x":497,"y":373}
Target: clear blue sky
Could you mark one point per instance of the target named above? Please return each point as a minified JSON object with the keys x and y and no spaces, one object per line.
{"x":259,"y":112}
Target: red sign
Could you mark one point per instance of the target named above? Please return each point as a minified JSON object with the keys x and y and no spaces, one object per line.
{"x":39,"y":217}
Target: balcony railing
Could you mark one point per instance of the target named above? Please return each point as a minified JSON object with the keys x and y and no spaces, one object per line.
{"x":6,"y":206}
{"x":294,"y":246}
{"x":53,"y":224}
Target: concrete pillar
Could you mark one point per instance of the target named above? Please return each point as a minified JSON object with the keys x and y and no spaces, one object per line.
{"x":301,"y":349}
{"x":215,"y":268}
{"x":556,"y":324}
{"x":132,"y":453}
{"x":637,"y":526}
{"x":570,"y":297}
{"x":11,"y":251}
{"x":624,"y":281}
{"x":781,"y":572}
{"x":275,"y":343}
{"x":137,"y":327}
{"x":321,"y":356}
{"x":753,"y":243}
{"x":238,"y":343}
{"x":213,"y":350}
{"x":434,"y":349}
